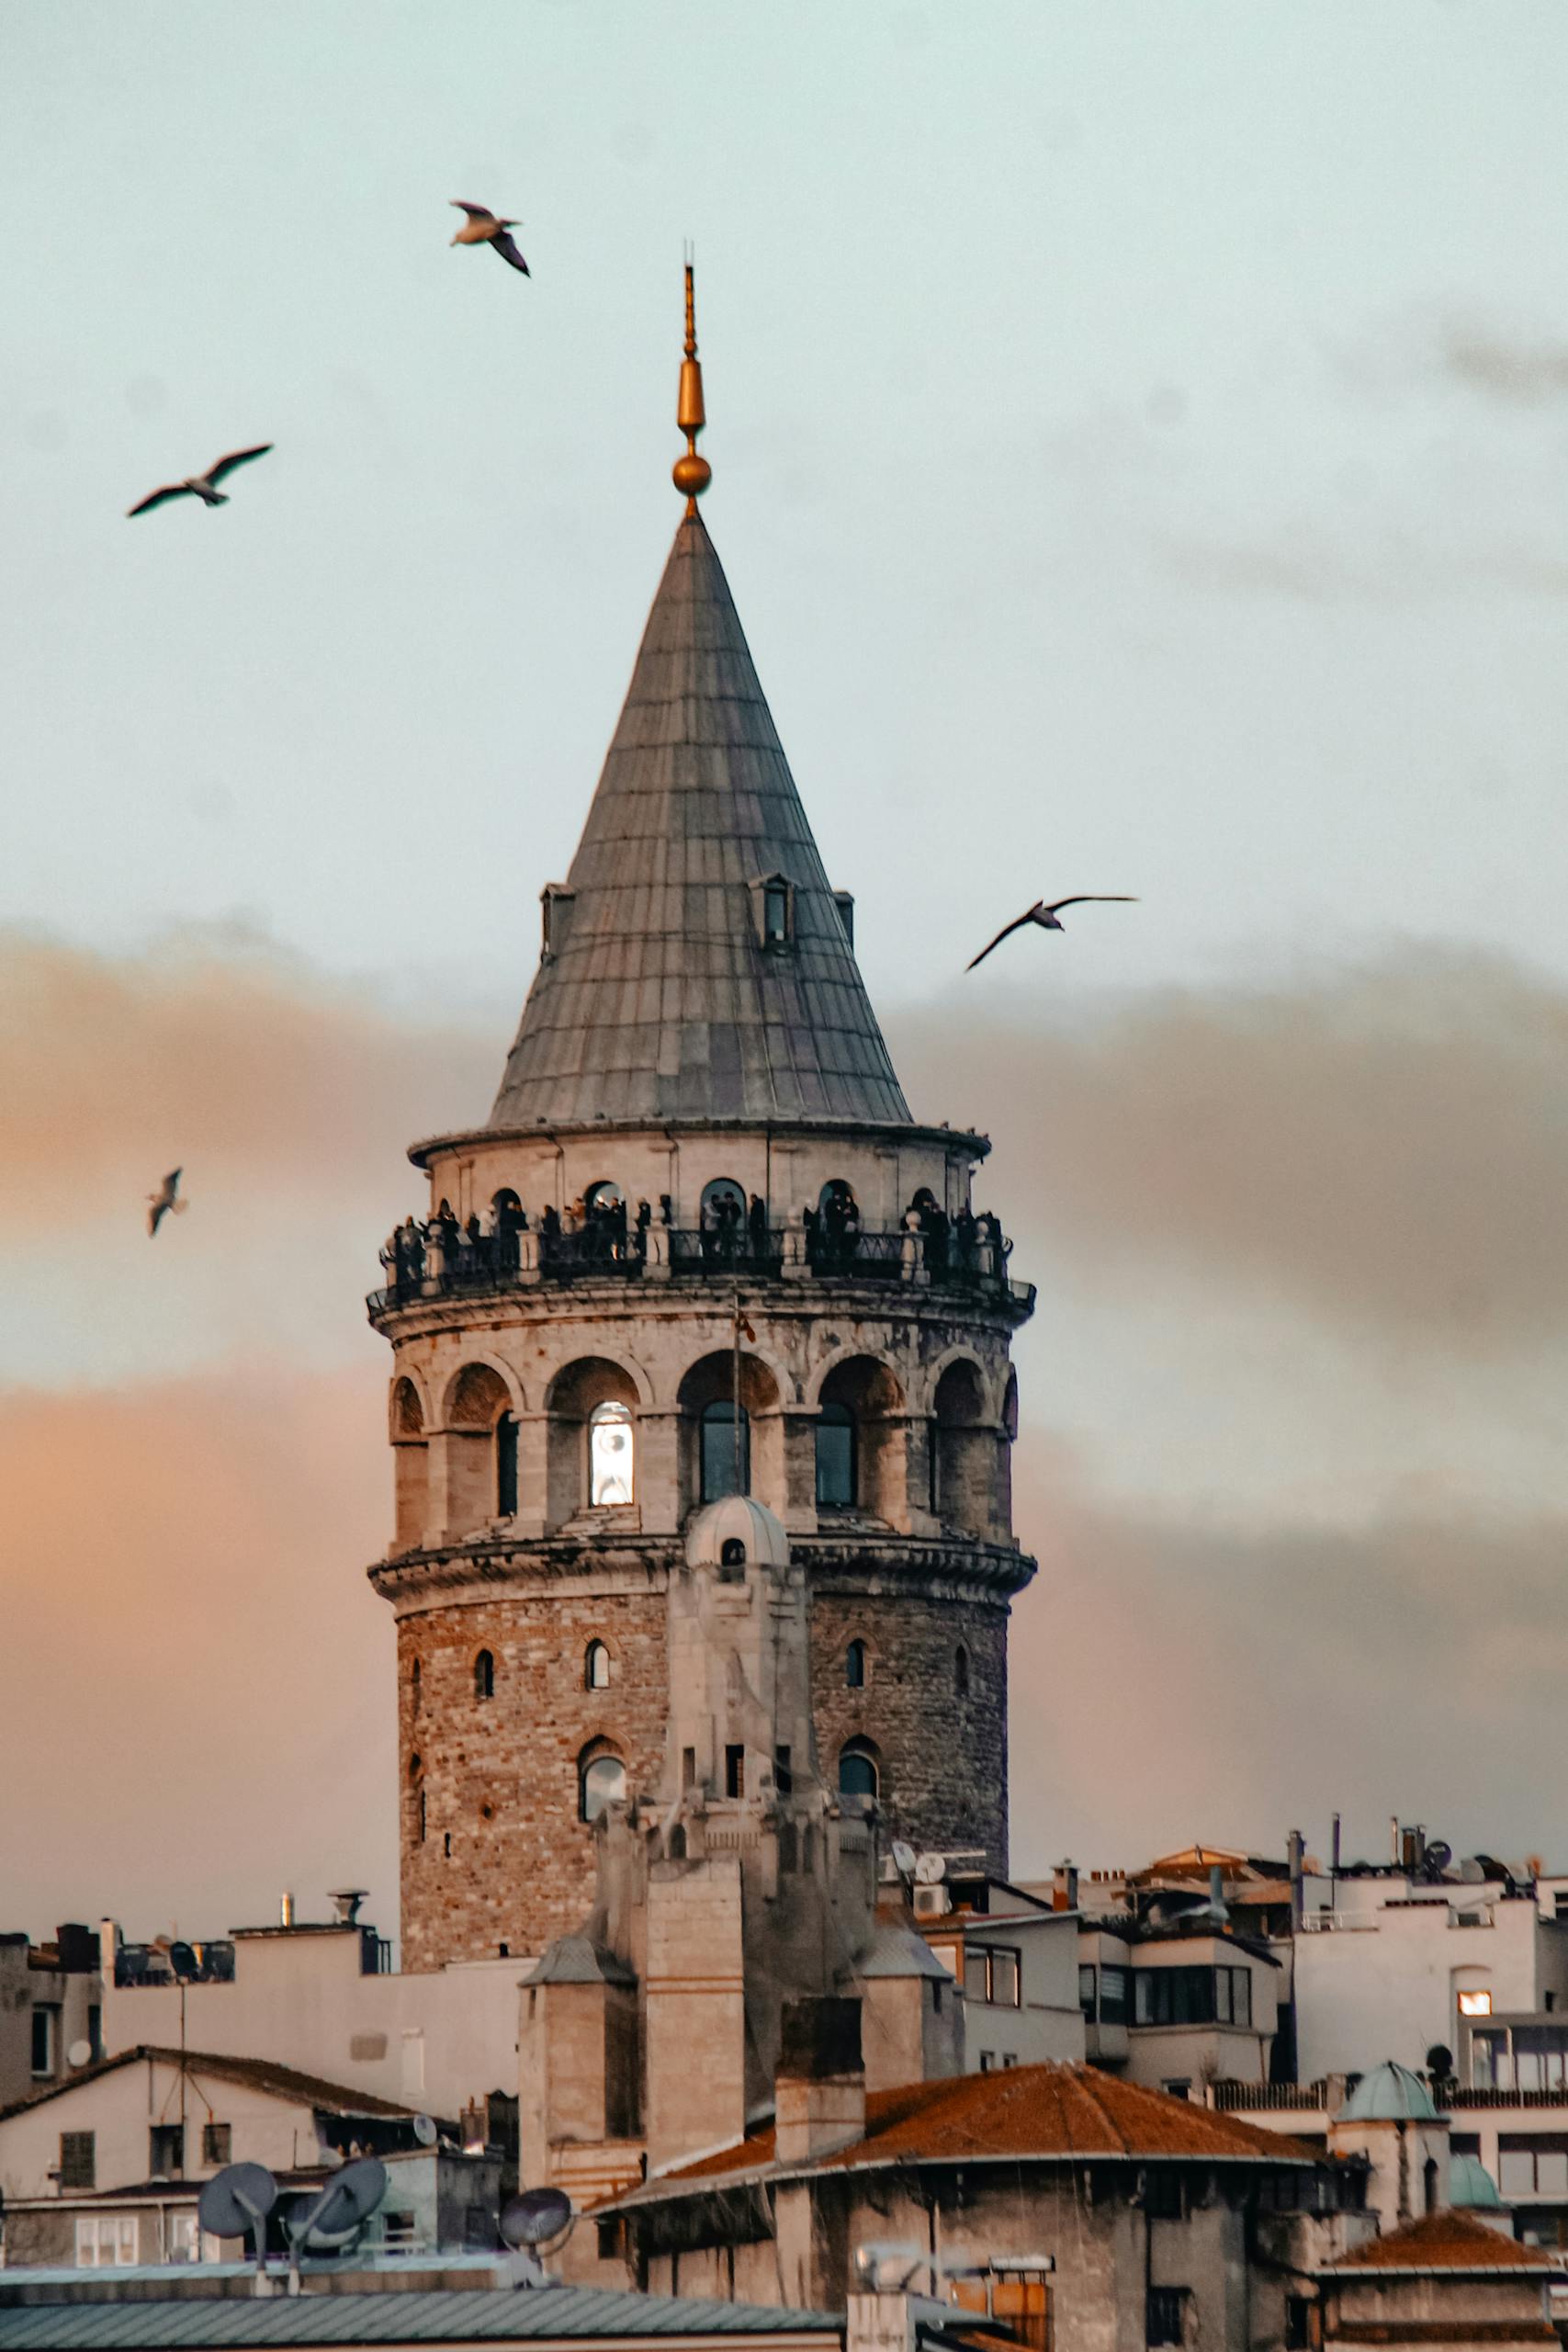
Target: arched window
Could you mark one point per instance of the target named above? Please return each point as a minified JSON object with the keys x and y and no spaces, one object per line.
{"x":484,"y":1675}
{"x":855,"y":1666}
{"x":596,"y":1668}
{"x":605,"y":1195}
{"x":732,"y":1553}
{"x":610,"y":1455}
{"x":723,"y":1191}
{"x":835,"y":1457}
{"x":601,"y":1780}
{"x":961,"y":1671}
{"x":416,"y":1683}
{"x":858,"y":1775}
{"x":506,"y":1467}
{"x":720,"y":1452}
{"x":506,"y":1213}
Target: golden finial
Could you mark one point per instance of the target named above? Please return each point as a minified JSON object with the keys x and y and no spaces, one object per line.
{"x":691,"y":473}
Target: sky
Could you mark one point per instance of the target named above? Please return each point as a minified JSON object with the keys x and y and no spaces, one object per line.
{"x":1138,"y":441}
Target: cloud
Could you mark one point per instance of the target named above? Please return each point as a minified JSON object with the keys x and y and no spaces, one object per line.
{"x":195,"y":1684}
{"x":1384,"y":1149}
{"x":1310,"y":564}
{"x":266,"y":1081}
{"x":1526,"y":372}
{"x":1180,"y":1678}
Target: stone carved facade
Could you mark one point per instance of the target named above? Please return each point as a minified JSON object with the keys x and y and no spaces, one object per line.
{"x":562,"y":1386}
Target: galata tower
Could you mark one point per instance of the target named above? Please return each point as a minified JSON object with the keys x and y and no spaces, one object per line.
{"x":699,"y":1245}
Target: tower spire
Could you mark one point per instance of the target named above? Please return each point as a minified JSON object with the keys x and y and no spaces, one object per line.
{"x":691,"y":473}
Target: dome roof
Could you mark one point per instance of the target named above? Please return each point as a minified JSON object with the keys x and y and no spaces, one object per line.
{"x":1469,"y":2183}
{"x":736,"y":1519}
{"x":899,"y":1952}
{"x":1390,"y":2094}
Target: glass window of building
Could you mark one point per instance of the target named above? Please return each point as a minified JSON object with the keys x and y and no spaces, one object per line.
{"x":602,"y":1781}
{"x":722,"y":1472}
{"x":835,"y":1457}
{"x":609,"y":1456}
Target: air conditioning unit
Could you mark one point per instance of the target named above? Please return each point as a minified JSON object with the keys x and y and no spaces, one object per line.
{"x":933,"y":1902}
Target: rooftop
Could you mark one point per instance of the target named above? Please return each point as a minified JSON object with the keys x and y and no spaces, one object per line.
{"x":1448,"y":2242}
{"x":259,"y":2073}
{"x":1045,"y":2114}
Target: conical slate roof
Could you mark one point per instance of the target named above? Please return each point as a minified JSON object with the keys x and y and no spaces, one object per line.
{"x":660,"y":1000}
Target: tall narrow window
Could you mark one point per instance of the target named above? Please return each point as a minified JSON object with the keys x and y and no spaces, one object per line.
{"x":776,"y":913}
{"x":835,"y":1457}
{"x":961,"y":1671}
{"x":609,"y":1456}
{"x":855,"y":1666}
{"x":735,"y":1771}
{"x":725,"y":1452}
{"x":506,"y":1467}
{"x":596,"y":1668}
{"x":484,"y":1675}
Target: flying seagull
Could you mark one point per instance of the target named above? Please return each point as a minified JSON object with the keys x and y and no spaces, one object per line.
{"x":1046,"y":916}
{"x":202,"y":486}
{"x":483,"y":228}
{"x":159,"y":1203}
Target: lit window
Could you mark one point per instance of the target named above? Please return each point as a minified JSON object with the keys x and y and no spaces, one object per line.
{"x":603,"y":1781}
{"x":609,"y":1456}
{"x":722,"y":1473}
{"x":836,"y":1457}
{"x":855,"y":1666}
{"x":1476,"y":2004}
{"x":596,"y":1668}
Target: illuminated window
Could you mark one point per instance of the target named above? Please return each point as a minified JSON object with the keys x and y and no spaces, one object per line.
{"x":1476,"y":2004}
{"x":609,"y":1456}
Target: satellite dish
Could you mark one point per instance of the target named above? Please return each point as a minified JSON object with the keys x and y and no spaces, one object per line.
{"x":1440,"y":1854}
{"x":343,"y":2207}
{"x":536,"y":2216}
{"x":931,"y":1868}
{"x":1471,"y":1872}
{"x":903,"y":1857}
{"x":184,"y":1963}
{"x":425,"y":2131}
{"x":237,"y":2199}
{"x":79,"y":2054}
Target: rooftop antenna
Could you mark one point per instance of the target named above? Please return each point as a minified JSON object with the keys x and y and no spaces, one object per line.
{"x":540,"y":2217}
{"x":235,"y":2203}
{"x":691,"y":473}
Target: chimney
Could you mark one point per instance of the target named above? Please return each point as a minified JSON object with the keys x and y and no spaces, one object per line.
{"x":1295,"y":1847}
{"x":819,"y":2095}
{"x":345,"y":1901}
{"x":286,"y":1910}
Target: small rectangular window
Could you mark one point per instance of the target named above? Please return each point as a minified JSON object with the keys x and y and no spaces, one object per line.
{"x":217,"y":2140}
{"x":988,"y":2061}
{"x":1086,"y":1989}
{"x":1112,"y":1996}
{"x":46,"y":2038}
{"x":106,"y":2240}
{"x":776,"y":914}
{"x":166,"y":2151}
{"x":1005,"y":1975}
{"x":1162,"y":2193}
{"x":1298,"y":2323}
{"x":784,"y":1777}
{"x":95,"y":2030}
{"x":1242,"y":1995}
{"x":1164,"y":2315}
{"x":688,"y":1768}
{"x":735,"y":1771}
{"x":78,"y":2160}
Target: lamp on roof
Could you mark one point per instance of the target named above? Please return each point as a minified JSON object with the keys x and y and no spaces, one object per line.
{"x":691,"y":473}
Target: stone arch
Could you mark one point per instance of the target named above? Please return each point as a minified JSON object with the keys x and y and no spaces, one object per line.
{"x":870,"y":1391}
{"x":860,"y":1773}
{"x":588,"y":1385}
{"x":963,"y":1450}
{"x":600,"y":1778}
{"x":411,"y":1464}
{"x":480,"y":1410}
{"x":709,"y":1383}
{"x":933,"y":1373}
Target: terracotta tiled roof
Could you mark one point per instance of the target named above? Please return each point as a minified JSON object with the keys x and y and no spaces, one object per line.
{"x":1048,"y":2113}
{"x":261,"y":2074}
{"x":1447,"y":2240}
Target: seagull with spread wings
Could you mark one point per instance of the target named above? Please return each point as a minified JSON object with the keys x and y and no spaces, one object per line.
{"x":483,"y":227}
{"x":1044,"y":917}
{"x":161,"y":1203}
{"x":202,"y":486}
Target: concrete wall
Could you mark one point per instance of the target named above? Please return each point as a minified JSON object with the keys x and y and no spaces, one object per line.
{"x":438,"y":2041}
{"x":23,"y":1987}
{"x":1388,"y":1988}
{"x":120,"y":2109}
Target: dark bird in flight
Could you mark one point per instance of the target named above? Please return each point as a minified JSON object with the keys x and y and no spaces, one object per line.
{"x":483,"y":228}
{"x":1045,"y":916}
{"x":202,"y":486}
{"x":159,"y":1204}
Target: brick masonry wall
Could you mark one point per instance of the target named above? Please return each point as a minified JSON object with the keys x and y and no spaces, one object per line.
{"x":524,"y":1873}
{"x":943,"y":1757}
